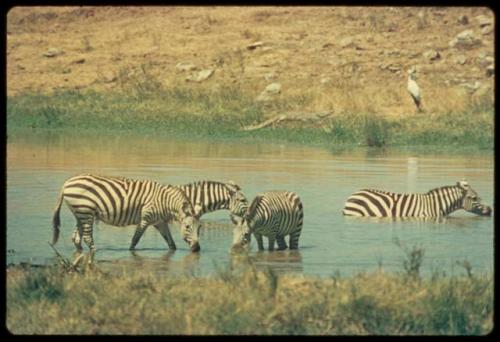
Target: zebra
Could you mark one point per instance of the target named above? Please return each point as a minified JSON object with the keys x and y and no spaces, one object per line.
{"x":211,"y":196}
{"x":120,"y":201}
{"x":438,"y":202}
{"x":274,"y":214}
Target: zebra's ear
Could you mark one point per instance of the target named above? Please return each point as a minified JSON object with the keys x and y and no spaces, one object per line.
{"x":233,"y":185}
{"x":463,"y":184}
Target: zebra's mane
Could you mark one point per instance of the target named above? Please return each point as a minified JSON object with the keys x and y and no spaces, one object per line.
{"x":430,"y":192}
{"x":211,"y":182}
{"x":435,"y":190}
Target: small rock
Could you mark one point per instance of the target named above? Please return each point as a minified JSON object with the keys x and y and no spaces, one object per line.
{"x":486,"y":30}
{"x":273,"y":88}
{"x":255,"y":45}
{"x":484,"y":59}
{"x":431,"y":55}
{"x":326,"y":80}
{"x":484,"y":20}
{"x":347,"y":42}
{"x":185,"y":66}
{"x":109,"y":76}
{"x":463,"y":19}
{"x":78,"y":61}
{"x":461,"y":59}
{"x":53,"y":52}
{"x":465,"y":39}
{"x":66,"y":71}
{"x":200,"y":76}
{"x":327,"y":45}
{"x":490,"y":70}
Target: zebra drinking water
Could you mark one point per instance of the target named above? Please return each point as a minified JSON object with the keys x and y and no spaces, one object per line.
{"x":437,"y":202}
{"x":211,"y":196}
{"x":120,"y":201}
{"x":274,"y":214}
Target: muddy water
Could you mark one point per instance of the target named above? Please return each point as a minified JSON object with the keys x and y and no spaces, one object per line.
{"x":39,"y":163}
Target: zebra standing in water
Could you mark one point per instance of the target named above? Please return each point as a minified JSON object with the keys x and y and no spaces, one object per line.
{"x":121,"y":202}
{"x":211,"y":196}
{"x":438,"y":202}
{"x":274,"y":214}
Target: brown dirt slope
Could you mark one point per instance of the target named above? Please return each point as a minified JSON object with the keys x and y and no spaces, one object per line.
{"x":343,"y":58}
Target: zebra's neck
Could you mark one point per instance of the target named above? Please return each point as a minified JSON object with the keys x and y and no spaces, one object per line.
{"x":447,"y":199}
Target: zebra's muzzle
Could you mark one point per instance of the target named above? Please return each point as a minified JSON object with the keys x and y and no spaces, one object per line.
{"x":486,"y":211}
{"x":195,"y":247}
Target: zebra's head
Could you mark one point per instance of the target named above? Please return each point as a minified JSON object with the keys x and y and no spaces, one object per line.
{"x":241,"y":233}
{"x":238,"y":203}
{"x":472,"y":202}
{"x":190,"y":225}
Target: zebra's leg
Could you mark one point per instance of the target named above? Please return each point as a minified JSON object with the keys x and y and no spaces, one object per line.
{"x":260,"y":242}
{"x":294,"y":238}
{"x":165,"y":232}
{"x":141,"y":228}
{"x":76,"y":237}
{"x":281,"y":243}
{"x":88,"y":238}
{"x":272,"y":239}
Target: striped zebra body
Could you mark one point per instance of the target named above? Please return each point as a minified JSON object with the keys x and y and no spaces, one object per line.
{"x":273,"y":214}
{"x":121,"y":202}
{"x":438,"y":202}
{"x":209,"y":196}
{"x":212,"y":196}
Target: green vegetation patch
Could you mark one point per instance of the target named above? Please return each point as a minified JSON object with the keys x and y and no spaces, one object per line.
{"x":222,"y":113}
{"x":246,"y":301}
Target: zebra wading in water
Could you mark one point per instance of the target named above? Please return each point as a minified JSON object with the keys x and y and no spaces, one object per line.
{"x":120,"y":201}
{"x":437,"y":202}
{"x":274,"y":214}
{"x":210,"y":196}
{"x":213,"y":196}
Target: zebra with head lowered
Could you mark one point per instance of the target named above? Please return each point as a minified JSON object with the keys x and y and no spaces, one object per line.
{"x":120,"y":201}
{"x":437,"y":202}
{"x":212,"y":196}
{"x":274,"y":214}
{"x":209,"y":196}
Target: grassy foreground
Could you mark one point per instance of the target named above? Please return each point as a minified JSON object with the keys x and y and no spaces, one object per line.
{"x":246,"y":301}
{"x":146,"y":106}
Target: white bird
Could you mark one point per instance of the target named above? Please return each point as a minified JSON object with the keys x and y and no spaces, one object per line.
{"x":414,"y":89}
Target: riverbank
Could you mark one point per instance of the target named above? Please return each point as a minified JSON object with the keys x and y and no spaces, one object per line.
{"x":225,"y":113}
{"x":248,"y":302}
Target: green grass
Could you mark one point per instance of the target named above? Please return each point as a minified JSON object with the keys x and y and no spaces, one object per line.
{"x":146,"y":107}
{"x":246,"y":301}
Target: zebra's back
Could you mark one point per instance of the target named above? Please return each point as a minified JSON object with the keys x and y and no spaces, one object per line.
{"x":117,"y":201}
{"x":378,"y":203}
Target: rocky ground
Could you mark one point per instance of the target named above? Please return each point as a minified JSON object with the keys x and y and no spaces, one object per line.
{"x":343,"y":58}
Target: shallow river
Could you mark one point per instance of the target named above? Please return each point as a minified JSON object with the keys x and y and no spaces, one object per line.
{"x":39,"y":163}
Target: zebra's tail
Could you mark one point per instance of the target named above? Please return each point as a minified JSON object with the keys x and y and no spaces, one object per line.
{"x":56,"y":219}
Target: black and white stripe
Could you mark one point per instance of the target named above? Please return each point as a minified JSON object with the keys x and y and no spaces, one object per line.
{"x":213,"y":196}
{"x":274,"y":214}
{"x":120,"y":202}
{"x":438,"y":202}
{"x":209,"y":196}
